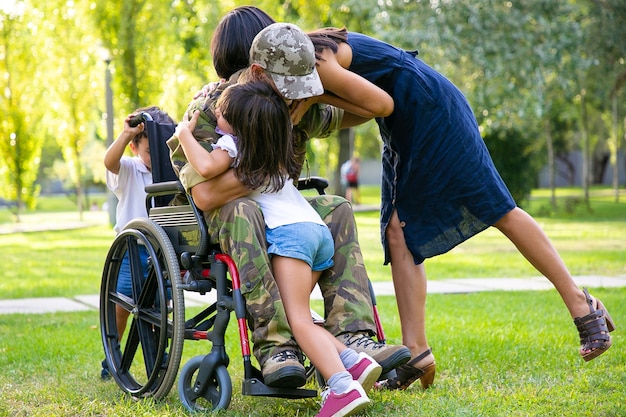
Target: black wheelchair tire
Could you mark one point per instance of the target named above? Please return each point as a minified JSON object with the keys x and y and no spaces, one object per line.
{"x":146,"y":363}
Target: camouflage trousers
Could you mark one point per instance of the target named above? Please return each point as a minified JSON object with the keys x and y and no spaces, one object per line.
{"x":240,"y":229}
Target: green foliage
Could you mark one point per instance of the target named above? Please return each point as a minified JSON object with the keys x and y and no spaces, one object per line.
{"x":523,"y":65}
{"x":518,"y":160}
{"x":20,"y":134}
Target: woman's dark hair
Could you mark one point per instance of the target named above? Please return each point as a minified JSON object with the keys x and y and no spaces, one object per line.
{"x":261,"y":121}
{"x":327,"y":38}
{"x":233,"y":36}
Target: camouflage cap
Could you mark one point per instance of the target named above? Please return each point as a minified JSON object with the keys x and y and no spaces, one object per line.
{"x":288,"y":56}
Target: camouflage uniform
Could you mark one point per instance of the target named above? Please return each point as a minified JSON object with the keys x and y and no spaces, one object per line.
{"x":240,"y":229}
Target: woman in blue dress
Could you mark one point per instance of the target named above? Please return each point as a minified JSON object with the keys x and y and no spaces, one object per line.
{"x":439,"y":186}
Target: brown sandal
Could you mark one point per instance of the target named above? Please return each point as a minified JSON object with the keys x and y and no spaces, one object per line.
{"x":407,"y":374}
{"x":594,"y":329}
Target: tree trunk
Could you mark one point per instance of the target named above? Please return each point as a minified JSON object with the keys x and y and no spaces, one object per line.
{"x":346,"y":140}
{"x":615,"y":151}
{"x":585,"y":147}
{"x":551,"y":173}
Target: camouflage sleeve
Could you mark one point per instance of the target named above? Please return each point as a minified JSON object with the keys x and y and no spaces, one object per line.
{"x":204,"y":133}
{"x":320,"y":121}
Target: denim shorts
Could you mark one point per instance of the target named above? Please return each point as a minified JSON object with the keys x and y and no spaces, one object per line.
{"x":123,"y":279}
{"x":309,"y":242}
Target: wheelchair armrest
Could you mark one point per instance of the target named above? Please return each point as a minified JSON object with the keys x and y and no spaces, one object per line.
{"x":317,"y":183}
{"x":165,"y":188}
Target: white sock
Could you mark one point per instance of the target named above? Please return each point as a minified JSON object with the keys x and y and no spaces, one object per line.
{"x":340,"y":382}
{"x":349,"y":357}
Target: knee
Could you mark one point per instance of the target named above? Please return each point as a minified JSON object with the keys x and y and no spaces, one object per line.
{"x":301,"y":325}
{"x":507,"y":221}
{"x":394,"y":232}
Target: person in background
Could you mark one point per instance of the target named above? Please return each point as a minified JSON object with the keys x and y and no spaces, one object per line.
{"x":127,"y":177}
{"x":352,"y":180}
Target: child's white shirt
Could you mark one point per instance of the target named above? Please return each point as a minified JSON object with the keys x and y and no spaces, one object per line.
{"x":286,"y":206}
{"x":129,"y":188}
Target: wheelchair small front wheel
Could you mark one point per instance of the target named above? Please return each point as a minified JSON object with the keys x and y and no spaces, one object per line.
{"x":215,"y":395}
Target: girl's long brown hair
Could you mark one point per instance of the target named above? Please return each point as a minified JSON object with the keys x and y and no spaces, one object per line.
{"x":260,"y":119}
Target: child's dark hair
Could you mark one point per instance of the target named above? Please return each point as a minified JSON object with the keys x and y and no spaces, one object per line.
{"x":261,"y":121}
{"x":158,"y":115}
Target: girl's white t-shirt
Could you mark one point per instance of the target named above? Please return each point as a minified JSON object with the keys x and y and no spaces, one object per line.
{"x":286,"y":206}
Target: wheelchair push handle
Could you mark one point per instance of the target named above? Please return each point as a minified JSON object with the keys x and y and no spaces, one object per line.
{"x":139,"y":118}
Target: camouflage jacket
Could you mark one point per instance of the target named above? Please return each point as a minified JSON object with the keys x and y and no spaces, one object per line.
{"x":318,"y":122}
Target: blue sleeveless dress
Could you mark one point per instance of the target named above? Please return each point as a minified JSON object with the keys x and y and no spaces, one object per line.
{"x":437,"y":171}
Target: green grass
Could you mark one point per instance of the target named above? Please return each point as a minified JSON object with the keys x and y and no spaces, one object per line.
{"x":66,"y":263}
{"x":53,"y":263}
{"x":590,"y":243}
{"x":498,"y":354}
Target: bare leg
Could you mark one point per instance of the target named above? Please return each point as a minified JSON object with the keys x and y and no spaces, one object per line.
{"x":535,"y":246}
{"x":316,"y":342}
{"x":409,"y":281}
{"x":121,"y":317}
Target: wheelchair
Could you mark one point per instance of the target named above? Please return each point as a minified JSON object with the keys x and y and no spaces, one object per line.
{"x":179,"y":257}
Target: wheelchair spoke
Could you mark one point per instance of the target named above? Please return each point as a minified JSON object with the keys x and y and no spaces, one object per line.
{"x":146,"y":357}
{"x":122,"y":301}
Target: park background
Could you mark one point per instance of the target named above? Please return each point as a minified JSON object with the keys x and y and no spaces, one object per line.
{"x":545,"y":79}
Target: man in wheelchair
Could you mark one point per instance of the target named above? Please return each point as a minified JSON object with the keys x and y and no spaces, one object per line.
{"x":236,"y":222}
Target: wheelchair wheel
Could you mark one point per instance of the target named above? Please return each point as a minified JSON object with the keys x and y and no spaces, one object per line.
{"x":215,"y":396}
{"x":144,"y":360}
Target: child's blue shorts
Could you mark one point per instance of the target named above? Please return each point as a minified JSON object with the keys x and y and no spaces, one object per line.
{"x":309,"y":242}
{"x":123,"y":279}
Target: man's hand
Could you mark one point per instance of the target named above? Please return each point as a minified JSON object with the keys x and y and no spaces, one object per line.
{"x":187,"y":125}
{"x":208,"y":89}
{"x":297,"y":108}
{"x":214,"y":193}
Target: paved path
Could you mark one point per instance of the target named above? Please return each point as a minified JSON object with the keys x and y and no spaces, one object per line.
{"x":444,"y":286}
{"x":91,"y":301}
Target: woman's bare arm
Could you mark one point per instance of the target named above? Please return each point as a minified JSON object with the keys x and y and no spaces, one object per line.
{"x":350,"y":91}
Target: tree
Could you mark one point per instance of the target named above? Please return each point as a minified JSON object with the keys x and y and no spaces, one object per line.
{"x":606,"y":33}
{"x":20,"y":135}
{"x":75,"y":104}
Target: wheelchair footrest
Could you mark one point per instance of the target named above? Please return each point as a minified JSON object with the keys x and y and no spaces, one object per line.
{"x":255,"y":387}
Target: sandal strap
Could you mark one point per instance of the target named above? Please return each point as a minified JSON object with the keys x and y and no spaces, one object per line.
{"x":407,"y":374}
{"x":589,"y":300}
{"x":418,"y":357}
{"x":592,"y":328}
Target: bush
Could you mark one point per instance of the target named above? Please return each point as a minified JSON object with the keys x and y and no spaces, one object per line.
{"x":518,"y":158}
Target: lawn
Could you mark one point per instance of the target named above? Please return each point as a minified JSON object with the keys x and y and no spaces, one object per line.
{"x":590,"y":242}
{"x":498,"y":353}
{"x":69,"y":262}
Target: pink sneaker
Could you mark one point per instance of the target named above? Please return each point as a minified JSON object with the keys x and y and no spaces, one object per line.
{"x":346,"y":404}
{"x":366,"y":371}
